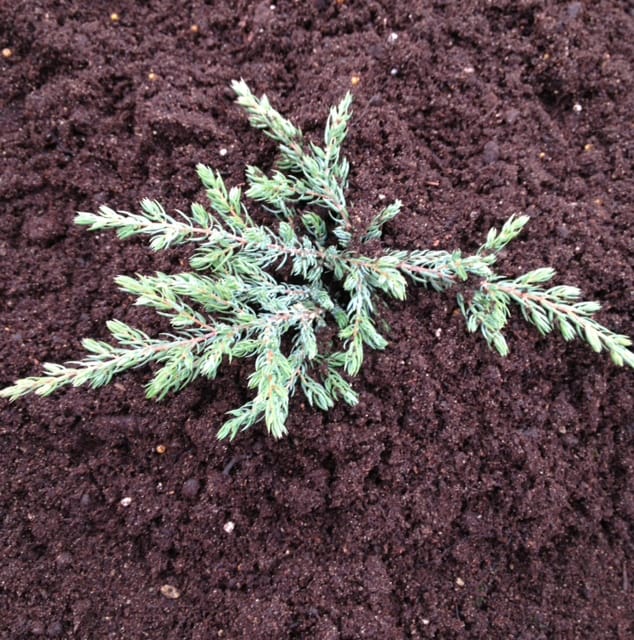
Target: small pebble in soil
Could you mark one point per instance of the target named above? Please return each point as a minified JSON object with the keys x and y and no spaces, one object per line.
{"x":152,"y":77}
{"x":588,"y":147}
{"x":563,"y":231}
{"x":574,"y":10}
{"x":191,"y":487}
{"x":355,"y":80}
{"x":194,"y":28}
{"x":460,"y":582}
{"x":37,"y":629}
{"x":577,"y":108}
{"x":222,"y":152}
{"x":512,"y":115}
{"x":125,"y":502}
{"x":393,"y":37}
{"x":114,"y":17}
{"x":7,"y":53}
{"x":491,"y":152}
{"x":63,"y":560}
{"x":229,"y":526}
{"x":160,"y":449}
{"x":393,"y":71}
{"x":55,"y":629}
{"x":170,"y":591}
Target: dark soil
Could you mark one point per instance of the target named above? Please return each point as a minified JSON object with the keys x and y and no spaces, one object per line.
{"x":466,"y":496}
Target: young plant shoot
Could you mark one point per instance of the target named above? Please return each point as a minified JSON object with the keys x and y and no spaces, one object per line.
{"x":267,"y":291}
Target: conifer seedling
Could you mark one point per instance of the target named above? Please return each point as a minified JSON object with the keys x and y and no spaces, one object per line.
{"x":268,"y":291}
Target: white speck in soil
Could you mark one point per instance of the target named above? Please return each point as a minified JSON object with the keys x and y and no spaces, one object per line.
{"x":170,"y":591}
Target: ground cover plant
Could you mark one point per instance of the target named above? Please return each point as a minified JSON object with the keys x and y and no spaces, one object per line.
{"x":266,"y":291}
{"x":465,"y":495}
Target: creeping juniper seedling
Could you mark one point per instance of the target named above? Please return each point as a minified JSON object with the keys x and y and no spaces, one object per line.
{"x":266,"y":292}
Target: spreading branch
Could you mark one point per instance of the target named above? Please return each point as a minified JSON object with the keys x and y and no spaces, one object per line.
{"x":267,"y":291}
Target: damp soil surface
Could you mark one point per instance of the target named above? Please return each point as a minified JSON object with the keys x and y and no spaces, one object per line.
{"x":467,"y":495}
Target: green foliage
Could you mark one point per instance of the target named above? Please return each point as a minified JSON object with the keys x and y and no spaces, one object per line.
{"x":267,"y":292}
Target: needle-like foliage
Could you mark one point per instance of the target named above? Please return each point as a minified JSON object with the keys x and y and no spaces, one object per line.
{"x":266,"y":292}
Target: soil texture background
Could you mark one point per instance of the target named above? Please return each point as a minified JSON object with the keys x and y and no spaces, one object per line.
{"x":466,"y":496}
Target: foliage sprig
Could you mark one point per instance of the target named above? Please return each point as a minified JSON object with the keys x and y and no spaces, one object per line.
{"x":267,"y":292}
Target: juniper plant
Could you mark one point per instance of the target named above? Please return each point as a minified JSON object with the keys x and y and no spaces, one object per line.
{"x":267,"y":291}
